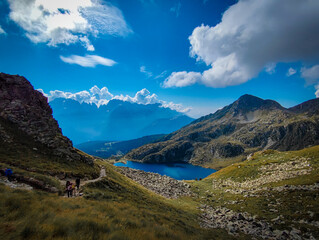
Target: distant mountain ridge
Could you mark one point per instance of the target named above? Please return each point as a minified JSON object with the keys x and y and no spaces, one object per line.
{"x":116,"y":121}
{"x":231,"y":133}
{"x":105,"y":149}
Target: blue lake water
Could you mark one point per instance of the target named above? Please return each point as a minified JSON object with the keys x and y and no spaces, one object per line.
{"x":179,"y":171}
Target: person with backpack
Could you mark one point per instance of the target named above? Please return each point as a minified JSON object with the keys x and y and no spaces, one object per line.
{"x":69,"y":190}
{"x":8,"y":172}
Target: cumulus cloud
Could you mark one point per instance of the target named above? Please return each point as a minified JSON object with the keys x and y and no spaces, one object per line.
{"x":67,"y":22}
{"x":141,"y":97}
{"x":94,"y":96}
{"x":2,"y":31}
{"x":251,"y":36}
{"x":182,"y":79}
{"x":88,"y":60}
{"x":102,"y":96}
{"x":290,"y":72}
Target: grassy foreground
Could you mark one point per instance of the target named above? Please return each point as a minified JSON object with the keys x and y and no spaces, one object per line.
{"x":113,"y":208}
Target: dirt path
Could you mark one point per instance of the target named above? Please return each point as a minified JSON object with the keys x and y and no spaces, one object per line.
{"x":102,"y":174}
{"x":78,"y":193}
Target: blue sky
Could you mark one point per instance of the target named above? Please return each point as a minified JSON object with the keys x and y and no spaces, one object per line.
{"x":190,"y":53}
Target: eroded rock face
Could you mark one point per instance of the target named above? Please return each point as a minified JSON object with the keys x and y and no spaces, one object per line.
{"x":29,"y":112}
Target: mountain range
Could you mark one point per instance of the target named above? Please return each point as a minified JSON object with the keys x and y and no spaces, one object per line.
{"x":105,"y":149}
{"x":116,"y":121}
{"x":232,"y":133}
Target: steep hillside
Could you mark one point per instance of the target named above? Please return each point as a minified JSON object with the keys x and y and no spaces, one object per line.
{"x":230,"y":134}
{"x":105,"y":149}
{"x":30,"y":138}
{"x":116,"y":121}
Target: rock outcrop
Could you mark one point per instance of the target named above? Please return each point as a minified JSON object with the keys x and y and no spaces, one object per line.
{"x":26,"y":115}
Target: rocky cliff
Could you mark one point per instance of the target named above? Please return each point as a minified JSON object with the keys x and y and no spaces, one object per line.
{"x":230,"y":134}
{"x":26,"y":119}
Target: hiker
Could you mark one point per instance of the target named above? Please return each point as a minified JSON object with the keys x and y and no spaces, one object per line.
{"x":67,"y":184}
{"x":73,"y":190}
{"x":77,"y":182}
{"x":69,"y":189}
{"x":8,"y":173}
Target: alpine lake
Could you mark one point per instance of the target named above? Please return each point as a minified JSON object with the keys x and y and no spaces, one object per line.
{"x":178,"y":171}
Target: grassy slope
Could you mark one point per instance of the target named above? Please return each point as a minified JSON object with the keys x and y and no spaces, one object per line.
{"x":293,"y":206}
{"x":113,"y":208}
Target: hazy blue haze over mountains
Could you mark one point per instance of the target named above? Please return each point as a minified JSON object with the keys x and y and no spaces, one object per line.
{"x":116,"y":121}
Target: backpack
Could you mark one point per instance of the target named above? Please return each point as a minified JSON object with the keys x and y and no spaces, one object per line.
{"x":9,"y":172}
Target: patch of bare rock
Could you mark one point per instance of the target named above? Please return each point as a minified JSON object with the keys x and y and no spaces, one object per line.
{"x":162,"y":185}
{"x":233,"y":222}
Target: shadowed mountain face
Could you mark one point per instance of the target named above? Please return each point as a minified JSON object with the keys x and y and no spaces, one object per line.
{"x":230,"y":134}
{"x":116,"y":121}
{"x":26,"y":123}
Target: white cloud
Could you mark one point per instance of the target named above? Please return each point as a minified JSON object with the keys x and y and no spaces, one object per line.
{"x":175,"y":106}
{"x":102,"y":97}
{"x":290,"y":72}
{"x":94,"y":96}
{"x":67,"y":22}
{"x":176,"y":9}
{"x":43,"y":93}
{"x":141,"y":97}
{"x":182,"y":79}
{"x":161,"y":75}
{"x":2,"y":31}
{"x":147,"y":73}
{"x":270,"y":68}
{"x":88,"y":60}
{"x":310,"y":74}
{"x":251,"y":35}
{"x":317,"y":92}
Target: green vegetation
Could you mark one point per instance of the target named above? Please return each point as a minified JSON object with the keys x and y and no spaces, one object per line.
{"x":295,"y":208}
{"x":113,"y":208}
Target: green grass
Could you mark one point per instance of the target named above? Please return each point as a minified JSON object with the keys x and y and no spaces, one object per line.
{"x":112,"y":208}
{"x":293,"y":206}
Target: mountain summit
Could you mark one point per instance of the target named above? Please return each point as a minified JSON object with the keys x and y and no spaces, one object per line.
{"x":248,"y":103}
{"x":230,"y":134}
